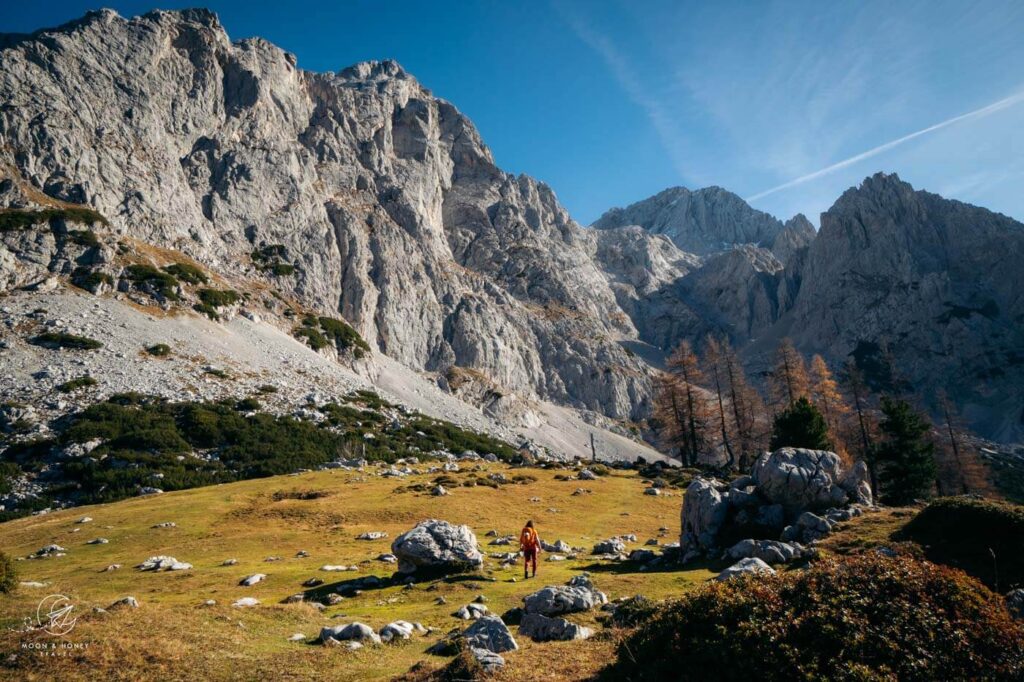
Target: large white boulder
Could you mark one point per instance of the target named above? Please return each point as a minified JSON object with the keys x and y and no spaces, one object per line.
{"x":814,"y":480}
{"x":437,"y":546}
{"x":578,"y":595}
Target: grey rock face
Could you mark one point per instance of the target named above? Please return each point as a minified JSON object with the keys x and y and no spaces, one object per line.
{"x":930,"y":282}
{"x":749,"y":566}
{"x":704,"y":511}
{"x":437,"y":546}
{"x":578,"y":595}
{"x":383,"y":197}
{"x":490,"y":633}
{"x":702,"y":221}
{"x":543,"y":629}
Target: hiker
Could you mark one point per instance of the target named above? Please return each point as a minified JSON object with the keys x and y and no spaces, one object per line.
{"x":529,"y":543}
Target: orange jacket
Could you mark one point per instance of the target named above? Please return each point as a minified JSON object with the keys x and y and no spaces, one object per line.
{"x":528,"y":539}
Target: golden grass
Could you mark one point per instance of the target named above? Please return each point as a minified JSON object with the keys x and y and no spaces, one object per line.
{"x":173,"y":637}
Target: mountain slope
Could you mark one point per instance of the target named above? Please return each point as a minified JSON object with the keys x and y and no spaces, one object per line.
{"x":381,"y":197}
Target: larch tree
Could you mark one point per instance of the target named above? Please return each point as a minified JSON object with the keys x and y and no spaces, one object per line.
{"x":715,"y":360}
{"x":745,"y":406}
{"x":826,"y":395}
{"x":853,"y":379}
{"x":680,"y":406}
{"x":789,"y":376}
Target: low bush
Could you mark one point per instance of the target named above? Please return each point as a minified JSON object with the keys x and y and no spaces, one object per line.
{"x":75,"y":384}
{"x":867,"y":617}
{"x":155,"y":281}
{"x":187,"y":272}
{"x":159,"y":350}
{"x":248,"y":405}
{"x":218,"y":373}
{"x":218,"y":298}
{"x":266,"y":388}
{"x":982,"y":537}
{"x":89,"y":279}
{"x":319,"y":332}
{"x":207,"y":310}
{"x":85,"y":238}
{"x":8,"y":574}
{"x":56,"y":340}
{"x":19,"y":219}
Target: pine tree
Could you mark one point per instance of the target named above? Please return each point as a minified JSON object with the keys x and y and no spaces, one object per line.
{"x":801,"y":425}
{"x":789,"y":376}
{"x":905,"y":459}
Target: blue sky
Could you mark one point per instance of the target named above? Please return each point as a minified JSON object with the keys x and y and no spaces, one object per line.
{"x":610,"y":102}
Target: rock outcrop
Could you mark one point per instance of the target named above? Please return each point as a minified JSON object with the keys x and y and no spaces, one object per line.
{"x":773,"y":509}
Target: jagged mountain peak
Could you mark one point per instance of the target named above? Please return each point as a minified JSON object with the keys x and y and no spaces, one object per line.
{"x":702,"y":221}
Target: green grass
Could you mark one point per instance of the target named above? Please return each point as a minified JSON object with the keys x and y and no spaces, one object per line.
{"x":218,"y":298}
{"x":55,"y":340}
{"x":251,"y":520}
{"x":75,"y":384}
{"x":12,"y":219}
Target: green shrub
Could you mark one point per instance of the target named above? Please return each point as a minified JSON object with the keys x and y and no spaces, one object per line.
{"x":187,"y":272}
{"x":75,"y":384}
{"x":966,"y":532}
{"x":267,"y":388}
{"x":314,"y":339}
{"x":218,"y":373}
{"x":8,"y":574}
{"x":159,"y":350}
{"x":282,"y":269}
{"x":63,"y":340}
{"x":19,"y":219}
{"x":158,"y":282}
{"x":88,"y":279}
{"x":218,"y":298}
{"x":248,"y":405}
{"x":801,"y":425}
{"x":866,"y":617}
{"x":207,"y":310}
{"x":319,"y":332}
{"x":269,"y":254}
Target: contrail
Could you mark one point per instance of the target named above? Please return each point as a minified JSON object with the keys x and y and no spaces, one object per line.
{"x":977,"y":113}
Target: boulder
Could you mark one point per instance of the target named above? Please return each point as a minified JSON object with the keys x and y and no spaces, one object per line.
{"x":490,"y":633}
{"x":610,"y":546}
{"x":857,"y":484}
{"x":163,"y":563}
{"x":642,"y":555}
{"x":578,"y":595}
{"x":352,"y":632}
{"x":399,"y":629}
{"x":559,"y":547}
{"x":587,"y":475}
{"x":801,"y":479}
{"x":1015,"y":603}
{"x":488,"y":660}
{"x":704,"y":512}
{"x":124,"y":603}
{"x":251,"y":580}
{"x":745,"y":567}
{"x":246,"y":601}
{"x":471,"y":612}
{"x":439,"y":547}
{"x":540,"y":628}
{"x":768,"y":551}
